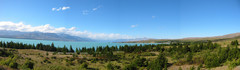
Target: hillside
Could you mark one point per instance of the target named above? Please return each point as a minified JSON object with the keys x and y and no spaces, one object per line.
{"x":43,"y":61}
{"x":185,"y":56}
{"x":227,"y":37}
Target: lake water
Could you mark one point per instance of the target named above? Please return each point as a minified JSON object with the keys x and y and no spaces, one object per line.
{"x":68,"y":43}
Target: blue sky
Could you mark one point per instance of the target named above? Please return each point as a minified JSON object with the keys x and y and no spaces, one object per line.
{"x":160,"y":19}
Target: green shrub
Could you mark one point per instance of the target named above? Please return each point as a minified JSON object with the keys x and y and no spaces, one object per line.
{"x":11,"y":62}
{"x":110,"y":66}
{"x":55,"y":53}
{"x":46,"y":61}
{"x":192,"y":68}
{"x":94,"y":60}
{"x":180,"y":68}
{"x":4,"y":53}
{"x":69,"y":62}
{"x":28,"y":64}
{"x":41,"y":56}
{"x":189,"y":57}
{"x":64,"y":52}
{"x":72,"y":59}
{"x":80,"y":61}
{"x":56,"y":67}
{"x":233,"y":63}
{"x":74,"y":55}
{"x":13,"y":65}
{"x":84,"y":65}
{"x":54,"y":57}
{"x":211,"y":61}
{"x":159,"y":64}
{"x":131,"y":67}
{"x":177,"y":56}
{"x":141,"y":62}
{"x":148,"y":54}
{"x":47,"y":54}
{"x":199,"y":67}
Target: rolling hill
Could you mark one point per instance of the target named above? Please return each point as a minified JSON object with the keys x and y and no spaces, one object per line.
{"x":232,"y":36}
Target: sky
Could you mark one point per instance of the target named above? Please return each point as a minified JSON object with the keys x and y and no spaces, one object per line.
{"x":122,"y":19}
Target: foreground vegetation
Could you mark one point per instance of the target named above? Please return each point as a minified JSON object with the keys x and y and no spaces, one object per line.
{"x":199,"y":55}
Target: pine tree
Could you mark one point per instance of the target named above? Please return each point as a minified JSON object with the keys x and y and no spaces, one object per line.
{"x":77,"y":51}
{"x":71,"y":49}
{"x":189,"y":57}
{"x":64,"y":49}
{"x":159,"y":64}
{"x":186,"y":49}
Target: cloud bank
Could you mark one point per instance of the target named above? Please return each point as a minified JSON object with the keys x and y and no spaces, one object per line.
{"x":11,"y":26}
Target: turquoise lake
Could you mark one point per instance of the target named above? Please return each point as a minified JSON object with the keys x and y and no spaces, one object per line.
{"x":68,"y":43}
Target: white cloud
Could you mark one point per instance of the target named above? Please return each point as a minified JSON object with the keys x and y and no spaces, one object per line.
{"x":53,"y":9}
{"x":94,"y":9}
{"x":6,"y":25}
{"x":86,"y":12}
{"x":60,"y":8}
{"x":133,"y":26}
{"x":64,"y":8}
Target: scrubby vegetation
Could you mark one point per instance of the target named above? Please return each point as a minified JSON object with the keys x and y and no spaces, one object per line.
{"x":202,"y":55}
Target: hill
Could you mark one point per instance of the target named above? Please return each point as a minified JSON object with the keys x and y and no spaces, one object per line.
{"x":190,"y":39}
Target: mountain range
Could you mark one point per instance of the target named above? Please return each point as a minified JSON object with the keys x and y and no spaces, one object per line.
{"x":55,"y":37}
{"x":41,"y":36}
{"x":66,"y":37}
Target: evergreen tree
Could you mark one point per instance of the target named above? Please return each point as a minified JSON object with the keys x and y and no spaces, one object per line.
{"x":71,"y":49}
{"x":159,"y":64}
{"x":110,"y":66}
{"x":189,"y":57}
{"x":186,"y":49}
{"x":28,"y":64}
{"x":65,"y":49}
{"x":235,"y":42}
{"x":77,"y":51}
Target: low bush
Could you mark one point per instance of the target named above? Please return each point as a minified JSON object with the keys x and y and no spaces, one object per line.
{"x":28,"y":64}
{"x":148,"y":54}
{"x":11,"y":62}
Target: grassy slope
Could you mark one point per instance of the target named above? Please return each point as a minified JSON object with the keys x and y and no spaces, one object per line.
{"x":38,"y":56}
{"x":223,"y":40}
